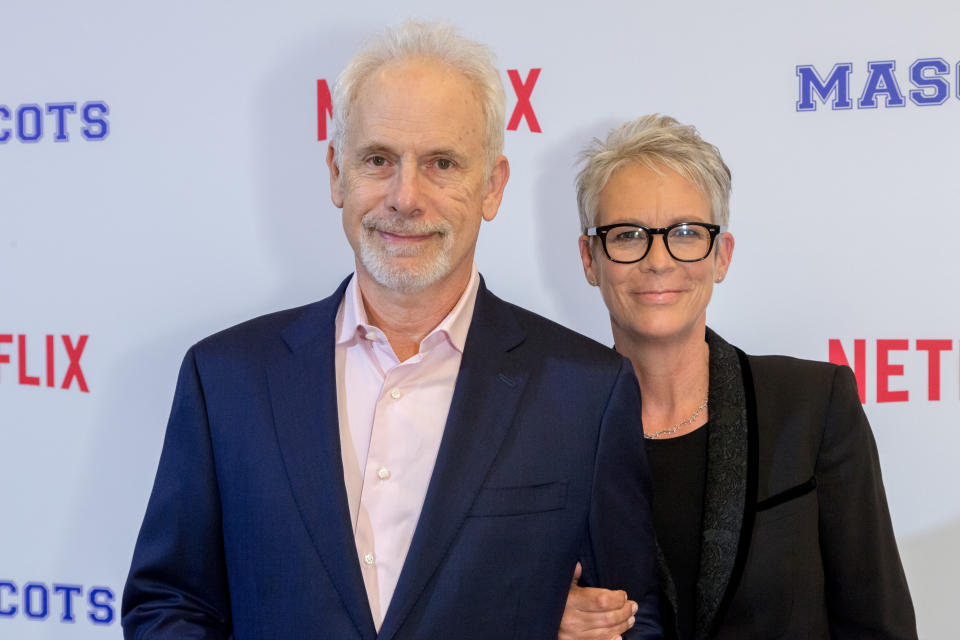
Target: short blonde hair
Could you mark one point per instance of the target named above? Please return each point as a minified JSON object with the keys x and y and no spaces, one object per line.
{"x":656,"y":142}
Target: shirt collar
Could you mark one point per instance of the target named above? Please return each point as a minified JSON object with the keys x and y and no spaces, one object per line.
{"x":353,"y":325}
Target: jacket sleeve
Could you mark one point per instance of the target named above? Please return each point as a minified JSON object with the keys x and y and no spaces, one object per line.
{"x":866,"y":589}
{"x":177,"y":586}
{"x":622,"y":546}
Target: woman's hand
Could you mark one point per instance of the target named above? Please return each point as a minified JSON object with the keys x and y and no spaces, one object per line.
{"x":595,"y":614}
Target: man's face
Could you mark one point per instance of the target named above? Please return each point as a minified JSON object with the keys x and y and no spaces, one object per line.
{"x":411,"y":177}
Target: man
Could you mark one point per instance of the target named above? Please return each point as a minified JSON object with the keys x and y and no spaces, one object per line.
{"x":411,"y":457}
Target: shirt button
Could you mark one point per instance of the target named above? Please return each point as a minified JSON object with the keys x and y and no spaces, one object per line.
{"x":383,"y":473}
{"x":395,"y":394}
{"x":368,"y":559}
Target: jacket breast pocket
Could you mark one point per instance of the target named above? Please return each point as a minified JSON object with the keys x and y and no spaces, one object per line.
{"x":513,"y":501}
{"x":783,"y":564}
{"x":790,"y":495}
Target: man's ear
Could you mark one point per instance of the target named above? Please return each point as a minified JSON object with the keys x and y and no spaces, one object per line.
{"x":493,"y":190}
{"x":336,"y":184}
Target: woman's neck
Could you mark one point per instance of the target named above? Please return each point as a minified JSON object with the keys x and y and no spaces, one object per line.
{"x":673,"y":375}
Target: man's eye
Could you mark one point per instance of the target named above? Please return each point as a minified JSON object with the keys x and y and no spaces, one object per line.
{"x":443,"y":164}
{"x":378,"y":161}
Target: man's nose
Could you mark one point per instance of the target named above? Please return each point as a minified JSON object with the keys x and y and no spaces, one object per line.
{"x":405,"y":189}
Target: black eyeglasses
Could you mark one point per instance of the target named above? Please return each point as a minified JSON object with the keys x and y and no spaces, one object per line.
{"x":685,"y":241}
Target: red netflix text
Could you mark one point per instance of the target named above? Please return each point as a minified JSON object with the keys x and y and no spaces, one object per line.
{"x":523,"y":111}
{"x":15,"y":350}
{"x":888,"y":365}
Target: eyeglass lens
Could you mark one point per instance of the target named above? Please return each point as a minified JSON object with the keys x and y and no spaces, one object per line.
{"x":684,"y":242}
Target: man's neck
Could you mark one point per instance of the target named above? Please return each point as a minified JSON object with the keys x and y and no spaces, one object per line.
{"x":407,"y":317}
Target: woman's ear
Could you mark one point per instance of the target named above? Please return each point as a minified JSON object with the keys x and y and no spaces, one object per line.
{"x":590,"y":267}
{"x":725,"y":245}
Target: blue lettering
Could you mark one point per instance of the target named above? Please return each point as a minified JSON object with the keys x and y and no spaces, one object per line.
{"x":4,"y":136}
{"x":881,"y":81}
{"x":97,"y":126}
{"x":37,"y":132}
{"x":68,"y":592}
{"x":61,"y":109}
{"x":101,"y":599}
{"x":11,"y":610}
{"x":837,"y":83}
{"x":940,"y":86}
{"x":28,"y":600}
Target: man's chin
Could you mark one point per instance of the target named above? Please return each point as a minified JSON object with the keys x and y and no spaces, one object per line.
{"x":405,"y":278}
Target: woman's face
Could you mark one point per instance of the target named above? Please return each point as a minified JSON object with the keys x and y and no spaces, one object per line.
{"x":657,"y":298}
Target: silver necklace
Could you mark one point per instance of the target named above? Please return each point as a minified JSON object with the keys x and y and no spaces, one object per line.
{"x":676,"y":427}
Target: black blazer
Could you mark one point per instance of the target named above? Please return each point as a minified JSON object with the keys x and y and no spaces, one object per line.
{"x":248,"y":534}
{"x":796,"y":539}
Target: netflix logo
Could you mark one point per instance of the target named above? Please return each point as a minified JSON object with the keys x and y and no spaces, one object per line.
{"x":61,"y":367}
{"x":522,"y":111}
{"x":896,"y":364}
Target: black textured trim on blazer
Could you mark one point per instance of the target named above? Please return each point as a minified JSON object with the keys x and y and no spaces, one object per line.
{"x":731,"y":485}
{"x":750,"y":507}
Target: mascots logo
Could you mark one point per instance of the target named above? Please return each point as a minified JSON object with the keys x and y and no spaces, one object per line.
{"x":886,"y":369}
{"x":73,"y":375}
{"x":929,"y":77}
{"x":522,"y":111}
{"x":31,"y":122}
{"x":37,"y":601}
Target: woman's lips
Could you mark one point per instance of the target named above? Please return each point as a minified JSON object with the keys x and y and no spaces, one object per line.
{"x":659,"y":295}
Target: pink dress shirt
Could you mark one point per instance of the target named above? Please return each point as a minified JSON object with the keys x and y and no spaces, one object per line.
{"x":392,"y":415}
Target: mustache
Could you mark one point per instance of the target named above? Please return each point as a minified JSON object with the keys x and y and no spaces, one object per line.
{"x":403,"y":226}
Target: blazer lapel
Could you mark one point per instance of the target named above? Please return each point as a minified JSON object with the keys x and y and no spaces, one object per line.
{"x":488,"y":390}
{"x":731,"y":484}
{"x":303,"y":392}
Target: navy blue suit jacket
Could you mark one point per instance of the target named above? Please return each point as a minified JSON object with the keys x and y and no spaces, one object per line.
{"x":247,"y":533}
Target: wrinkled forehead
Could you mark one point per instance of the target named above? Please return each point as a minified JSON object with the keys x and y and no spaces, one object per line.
{"x":418,"y":84}
{"x":424,"y":82}
{"x":416,"y":105}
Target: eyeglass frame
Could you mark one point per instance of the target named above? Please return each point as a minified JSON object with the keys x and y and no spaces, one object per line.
{"x":601,"y":232}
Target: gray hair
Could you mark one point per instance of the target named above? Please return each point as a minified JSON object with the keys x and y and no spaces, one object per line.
{"x":432,"y":40}
{"x":654,"y":141}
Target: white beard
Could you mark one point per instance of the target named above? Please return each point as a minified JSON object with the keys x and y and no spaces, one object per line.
{"x":382,"y":261}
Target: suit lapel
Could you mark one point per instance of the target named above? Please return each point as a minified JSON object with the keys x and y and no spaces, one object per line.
{"x":304,"y":399}
{"x":730,"y":486}
{"x":488,"y":390}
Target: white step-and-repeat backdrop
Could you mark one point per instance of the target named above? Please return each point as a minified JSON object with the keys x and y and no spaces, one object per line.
{"x":162,"y":177}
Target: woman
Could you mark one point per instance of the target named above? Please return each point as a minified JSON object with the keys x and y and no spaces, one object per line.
{"x":768,"y":502}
